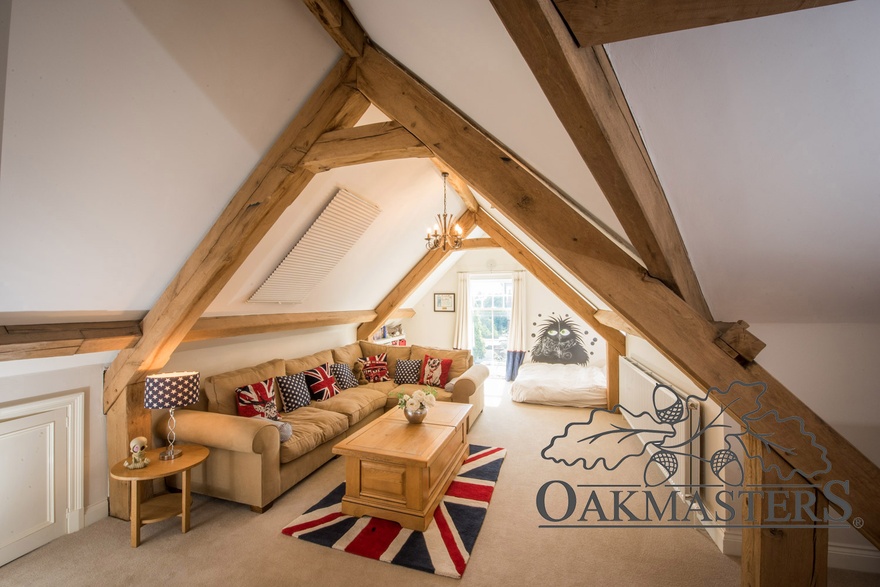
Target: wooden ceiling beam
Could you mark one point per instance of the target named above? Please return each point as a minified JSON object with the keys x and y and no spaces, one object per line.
{"x":382,"y":141}
{"x":412,"y":280}
{"x":274,"y":184}
{"x":459,"y":185}
{"x":586,"y":96}
{"x":470,"y":244}
{"x":550,"y":279}
{"x":608,"y":21}
{"x":612,"y":320}
{"x":229,"y":326}
{"x":670,"y":324}
{"x":339,"y":22}
{"x":32,"y":341}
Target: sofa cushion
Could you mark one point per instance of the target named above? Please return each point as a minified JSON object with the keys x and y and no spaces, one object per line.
{"x":311,"y":428}
{"x":393,"y":353}
{"x":408,"y":371}
{"x":220,"y":389}
{"x":310,"y":362}
{"x":321,"y":384}
{"x":294,"y":392}
{"x":375,"y":368}
{"x":408,"y":388}
{"x":435,"y":371}
{"x":257,"y":400}
{"x":348,"y":354}
{"x":343,"y":375}
{"x":460,"y":359}
{"x":355,"y":404}
{"x":385,"y":387}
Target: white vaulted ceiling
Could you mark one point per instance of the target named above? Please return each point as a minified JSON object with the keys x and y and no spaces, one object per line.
{"x":127,"y":127}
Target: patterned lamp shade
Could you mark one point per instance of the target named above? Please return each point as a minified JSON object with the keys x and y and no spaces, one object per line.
{"x":171,"y":390}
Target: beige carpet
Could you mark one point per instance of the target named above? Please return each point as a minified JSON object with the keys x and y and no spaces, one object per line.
{"x":230,"y":545}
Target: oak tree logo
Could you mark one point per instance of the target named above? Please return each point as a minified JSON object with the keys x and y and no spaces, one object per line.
{"x":592,"y":444}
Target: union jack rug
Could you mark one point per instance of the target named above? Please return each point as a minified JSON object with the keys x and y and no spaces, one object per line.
{"x":443,"y":549}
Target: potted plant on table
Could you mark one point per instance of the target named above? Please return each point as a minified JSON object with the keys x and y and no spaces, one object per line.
{"x":415,"y":407}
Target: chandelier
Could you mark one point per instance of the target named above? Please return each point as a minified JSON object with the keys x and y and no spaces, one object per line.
{"x":444,"y":236}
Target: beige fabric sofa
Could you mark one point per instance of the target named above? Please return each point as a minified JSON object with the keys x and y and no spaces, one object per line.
{"x":248,"y":463}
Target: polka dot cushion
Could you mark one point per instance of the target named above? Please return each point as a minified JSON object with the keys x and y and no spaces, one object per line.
{"x":294,"y":392}
{"x":408,"y":372}
{"x":345,"y":379}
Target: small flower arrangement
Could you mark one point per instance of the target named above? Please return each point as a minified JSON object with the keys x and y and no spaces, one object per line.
{"x":420,"y":399}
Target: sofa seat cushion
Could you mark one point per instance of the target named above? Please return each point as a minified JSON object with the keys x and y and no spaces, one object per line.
{"x":355,"y":403}
{"x":311,"y":428}
{"x":409,"y":388}
{"x":385,"y":387}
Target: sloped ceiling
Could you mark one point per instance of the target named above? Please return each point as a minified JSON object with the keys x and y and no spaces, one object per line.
{"x":128,"y":127}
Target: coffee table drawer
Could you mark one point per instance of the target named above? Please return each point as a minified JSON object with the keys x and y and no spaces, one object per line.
{"x":383,"y":481}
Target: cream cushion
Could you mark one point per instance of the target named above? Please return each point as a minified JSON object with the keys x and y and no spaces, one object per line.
{"x":460,"y":359}
{"x":301,"y":364}
{"x":348,"y":354}
{"x":408,"y":388}
{"x":311,"y":428}
{"x":220,"y":389}
{"x":355,"y":403}
{"x":394,"y":353}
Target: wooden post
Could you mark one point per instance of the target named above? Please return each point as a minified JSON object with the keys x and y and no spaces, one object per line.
{"x":612,"y":375}
{"x":779,"y":556}
{"x":126,"y":420}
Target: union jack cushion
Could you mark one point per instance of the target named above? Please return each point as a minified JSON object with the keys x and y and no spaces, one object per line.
{"x":407,"y":372}
{"x":294,"y":391}
{"x":435,"y":372}
{"x":345,"y":379}
{"x":257,"y":400}
{"x":375,"y":367}
{"x":321,"y":384}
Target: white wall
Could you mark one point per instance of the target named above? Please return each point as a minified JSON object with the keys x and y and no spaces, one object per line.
{"x":437,"y":328}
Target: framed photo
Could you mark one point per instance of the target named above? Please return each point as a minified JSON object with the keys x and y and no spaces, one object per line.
{"x":444,"y":302}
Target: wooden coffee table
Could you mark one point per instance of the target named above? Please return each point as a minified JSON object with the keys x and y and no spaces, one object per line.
{"x":399,"y":471}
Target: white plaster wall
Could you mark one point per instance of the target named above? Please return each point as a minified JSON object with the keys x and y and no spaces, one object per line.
{"x":37,"y":379}
{"x":438,"y":328}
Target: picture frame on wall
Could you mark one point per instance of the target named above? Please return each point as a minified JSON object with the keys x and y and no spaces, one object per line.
{"x":444,"y":302}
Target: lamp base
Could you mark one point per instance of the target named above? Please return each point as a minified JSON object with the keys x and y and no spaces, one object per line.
{"x":170,"y":454}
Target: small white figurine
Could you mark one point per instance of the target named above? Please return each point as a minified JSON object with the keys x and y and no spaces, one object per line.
{"x":139,"y":458}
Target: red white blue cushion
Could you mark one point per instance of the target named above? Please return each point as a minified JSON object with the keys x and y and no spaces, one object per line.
{"x":435,"y":372}
{"x":407,"y":371}
{"x":322,"y":385}
{"x":375,"y":367}
{"x":345,"y":379}
{"x":257,"y":400}
{"x":294,"y":392}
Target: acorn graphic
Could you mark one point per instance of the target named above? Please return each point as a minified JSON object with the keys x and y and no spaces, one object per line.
{"x":727,"y":458}
{"x":671,"y":414}
{"x":668,"y":463}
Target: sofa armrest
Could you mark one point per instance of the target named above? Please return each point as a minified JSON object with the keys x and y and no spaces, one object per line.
{"x":234,"y":433}
{"x":469,"y":382}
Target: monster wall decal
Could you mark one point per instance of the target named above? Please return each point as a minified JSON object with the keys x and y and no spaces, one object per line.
{"x":559,"y":340}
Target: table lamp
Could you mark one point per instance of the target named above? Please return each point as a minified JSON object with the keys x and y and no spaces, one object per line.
{"x":171,"y":390}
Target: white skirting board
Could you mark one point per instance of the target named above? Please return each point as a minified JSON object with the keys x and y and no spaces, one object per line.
{"x":97,"y":512}
{"x":851,"y":557}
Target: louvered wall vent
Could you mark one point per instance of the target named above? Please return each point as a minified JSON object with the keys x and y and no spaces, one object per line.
{"x":327,"y":241}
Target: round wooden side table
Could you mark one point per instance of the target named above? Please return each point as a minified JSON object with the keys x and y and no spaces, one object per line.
{"x":165,"y":506}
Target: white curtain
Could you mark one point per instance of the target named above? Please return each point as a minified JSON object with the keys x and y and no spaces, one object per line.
{"x":462,"y":315}
{"x":517,"y":337}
